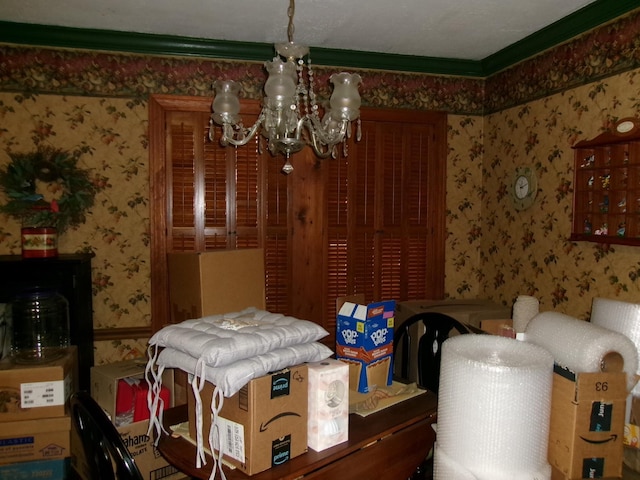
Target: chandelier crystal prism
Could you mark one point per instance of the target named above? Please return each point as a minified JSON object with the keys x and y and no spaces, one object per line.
{"x":290,"y":117}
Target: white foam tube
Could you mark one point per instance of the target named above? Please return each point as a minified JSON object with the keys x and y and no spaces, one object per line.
{"x":621,"y":317}
{"x":582,"y":346}
{"x":494,"y":400}
{"x":524,"y":309}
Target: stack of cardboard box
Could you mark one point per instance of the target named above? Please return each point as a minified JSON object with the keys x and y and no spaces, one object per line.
{"x":106,"y":383}
{"x":35,"y":427}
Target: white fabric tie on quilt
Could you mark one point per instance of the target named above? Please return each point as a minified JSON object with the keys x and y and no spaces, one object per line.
{"x":228,"y":350}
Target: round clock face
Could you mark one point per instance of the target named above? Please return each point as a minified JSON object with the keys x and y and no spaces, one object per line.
{"x":521,"y":187}
{"x":624,"y":127}
{"x":524,"y":188}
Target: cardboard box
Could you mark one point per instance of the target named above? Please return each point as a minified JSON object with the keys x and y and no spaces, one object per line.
{"x":42,"y":469}
{"x":104,"y":389}
{"x":364,"y":340}
{"x":106,"y":378}
{"x":29,"y":392}
{"x":41,"y":439}
{"x":501,"y":327}
{"x":587,"y":424}
{"x":214,"y":282}
{"x":328,"y":422}
{"x":264,"y":424}
{"x":467,"y":311}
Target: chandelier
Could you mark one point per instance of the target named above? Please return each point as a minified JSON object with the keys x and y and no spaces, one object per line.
{"x":290,"y":117}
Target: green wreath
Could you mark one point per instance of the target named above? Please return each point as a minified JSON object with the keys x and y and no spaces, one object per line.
{"x":18,"y":180}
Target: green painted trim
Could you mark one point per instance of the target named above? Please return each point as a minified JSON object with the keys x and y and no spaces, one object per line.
{"x":597,"y":13}
{"x":585,"y":19}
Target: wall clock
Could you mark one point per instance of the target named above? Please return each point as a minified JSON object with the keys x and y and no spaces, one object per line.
{"x":524,"y":188}
{"x":626,"y":126}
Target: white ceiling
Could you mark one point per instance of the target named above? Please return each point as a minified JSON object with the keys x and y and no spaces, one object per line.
{"x":460,"y":29}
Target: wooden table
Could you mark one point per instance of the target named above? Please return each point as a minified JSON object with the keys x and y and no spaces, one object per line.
{"x":387,"y":445}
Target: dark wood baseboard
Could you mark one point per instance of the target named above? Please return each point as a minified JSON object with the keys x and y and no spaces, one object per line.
{"x":105,"y":334}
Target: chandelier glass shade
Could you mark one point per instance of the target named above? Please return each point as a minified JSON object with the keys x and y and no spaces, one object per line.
{"x":290,"y":118}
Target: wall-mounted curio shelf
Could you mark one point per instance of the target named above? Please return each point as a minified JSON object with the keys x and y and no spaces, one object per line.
{"x":606,"y":188}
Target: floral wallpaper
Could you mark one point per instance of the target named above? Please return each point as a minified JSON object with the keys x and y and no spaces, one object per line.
{"x":96,"y":103}
{"x":529,"y":252}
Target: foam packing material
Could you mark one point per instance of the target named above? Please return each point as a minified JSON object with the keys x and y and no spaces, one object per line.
{"x":581,"y":346}
{"x":621,"y":317}
{"x":524,"y":309}
{"x":494,"y":401}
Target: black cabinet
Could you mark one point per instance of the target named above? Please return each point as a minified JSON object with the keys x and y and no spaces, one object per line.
{"x":70,"y":275}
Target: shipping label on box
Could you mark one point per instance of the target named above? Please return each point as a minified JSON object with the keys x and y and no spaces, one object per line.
{"x":328,"y":422}
{"x":263,"y":425}
{"x":364,"y":340}
{"x":587,"y":424}
{"x":29,"y":392}
{"x":41,"y":439}
{"x":215,"y":282}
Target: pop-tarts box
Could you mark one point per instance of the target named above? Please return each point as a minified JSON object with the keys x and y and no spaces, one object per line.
{"x":364,"y":340}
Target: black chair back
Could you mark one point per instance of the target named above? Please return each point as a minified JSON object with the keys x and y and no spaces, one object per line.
{"x":437,"y":328}
{"x":104,"y":454}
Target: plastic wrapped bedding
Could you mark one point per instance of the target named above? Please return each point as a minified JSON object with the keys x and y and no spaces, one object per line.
{"x":223,"y":339}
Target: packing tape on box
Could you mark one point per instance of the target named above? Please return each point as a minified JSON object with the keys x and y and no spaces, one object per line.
{"x":492,"y":389}
{"x":621,"y":317}
{"x":583,"y":346}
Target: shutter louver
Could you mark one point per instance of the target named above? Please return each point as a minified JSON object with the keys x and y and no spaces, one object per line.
{"x":181,"y":154}
{"x":215,"y":194}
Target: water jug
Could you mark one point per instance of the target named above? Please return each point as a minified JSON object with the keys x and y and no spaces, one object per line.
{"x":40,"y":326}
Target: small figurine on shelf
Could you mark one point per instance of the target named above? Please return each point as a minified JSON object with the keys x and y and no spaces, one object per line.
{"x":606,"y":181}
{"x":587,"y":227}
{"x":588,"y":161}
{"x":604,"y":205}
{"x":623,"y":205}
{"x":603,"y":230}
{"x":621,"y":229}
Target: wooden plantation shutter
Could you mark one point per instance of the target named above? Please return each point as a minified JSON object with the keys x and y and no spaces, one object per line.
{"x":207,"y":197}
{"x":371,"y":222}
{"x":385,"y":210}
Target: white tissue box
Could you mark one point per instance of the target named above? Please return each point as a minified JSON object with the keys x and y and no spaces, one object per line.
{"x":328,"y":421}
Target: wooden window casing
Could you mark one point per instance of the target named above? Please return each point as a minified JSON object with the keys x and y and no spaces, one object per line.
{"x":370,"y":222}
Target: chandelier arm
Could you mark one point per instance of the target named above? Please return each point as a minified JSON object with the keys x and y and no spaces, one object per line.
{"x":317,"y":144}
{"x":248,"y":133}
{"x":326,"y":135}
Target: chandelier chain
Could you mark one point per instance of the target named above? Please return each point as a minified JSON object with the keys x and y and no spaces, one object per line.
{"x":290,"y":12}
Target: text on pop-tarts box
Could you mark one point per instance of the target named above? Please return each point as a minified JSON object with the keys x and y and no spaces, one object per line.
{"x":364,"y":339}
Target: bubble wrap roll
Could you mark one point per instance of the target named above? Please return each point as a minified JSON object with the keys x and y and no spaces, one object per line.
{"x":492,"y":390}
{"x":621,"y":317}
{"x":581,"y":346}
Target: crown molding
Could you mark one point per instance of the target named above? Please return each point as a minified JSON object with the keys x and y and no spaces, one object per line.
{"x":597,"y":13}
{"x":589,"y":17}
